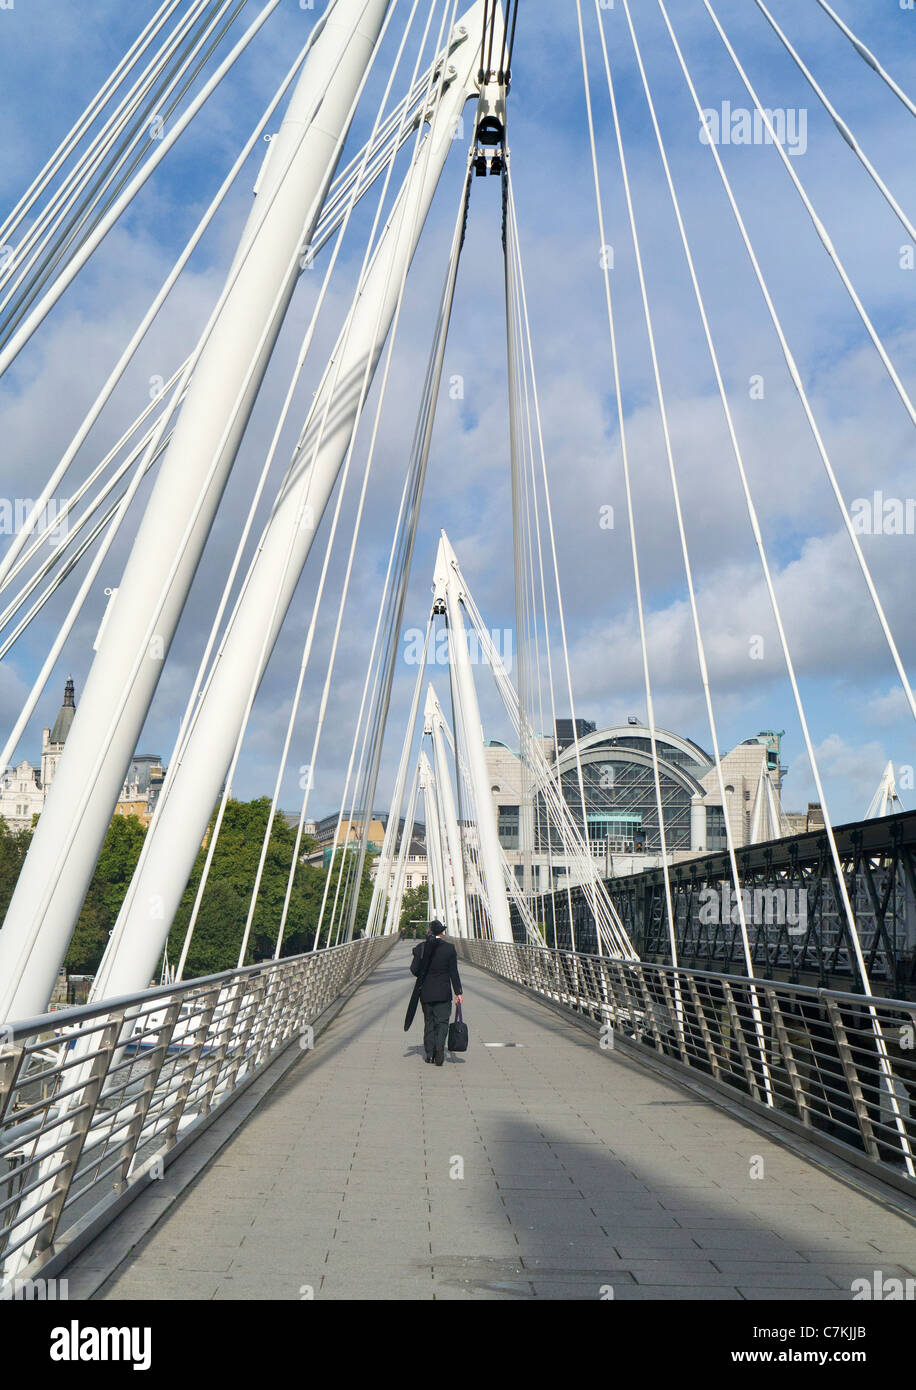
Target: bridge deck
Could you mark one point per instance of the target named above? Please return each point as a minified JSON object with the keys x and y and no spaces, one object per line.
{"x":581,"y":1170}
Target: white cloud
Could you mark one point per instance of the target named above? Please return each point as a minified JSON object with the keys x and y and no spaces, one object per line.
{"x":856,"y":768}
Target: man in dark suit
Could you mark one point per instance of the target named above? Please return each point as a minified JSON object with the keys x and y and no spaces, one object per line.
{"x":439,"y":959}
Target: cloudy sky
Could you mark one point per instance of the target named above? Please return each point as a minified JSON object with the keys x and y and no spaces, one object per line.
{"x":54,"y":56}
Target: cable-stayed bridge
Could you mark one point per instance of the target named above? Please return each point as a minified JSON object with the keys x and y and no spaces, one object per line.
{"x":791,"y":1032}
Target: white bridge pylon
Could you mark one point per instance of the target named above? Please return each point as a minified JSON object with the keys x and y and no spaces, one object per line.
{"x":886,"y":800}
{"x":147,"y":605}
{"x":449,"y":598}
{"x":437,"y":729}
{"x":467,"y":863}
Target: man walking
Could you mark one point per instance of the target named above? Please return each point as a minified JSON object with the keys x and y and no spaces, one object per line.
{"x":435,"y":964}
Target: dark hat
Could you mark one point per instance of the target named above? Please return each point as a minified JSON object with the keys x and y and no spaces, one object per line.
{"x":437,"y":927}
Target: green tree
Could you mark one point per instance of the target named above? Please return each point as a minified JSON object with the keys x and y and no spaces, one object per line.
{"x":14,"y":845}
{"x":225,"y":904}
{"x":218,"y":931}
{"x":90,"y":937}
{"x":340,"y":893}
{"x":107,"y":889}
{"x":414,"y":905}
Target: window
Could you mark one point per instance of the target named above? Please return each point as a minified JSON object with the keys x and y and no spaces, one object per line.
{"x":715,"y":828}
{"x":507,"y":826}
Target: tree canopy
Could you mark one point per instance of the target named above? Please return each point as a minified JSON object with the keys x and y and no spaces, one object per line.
{"x":414,"y":908}
{"x":220,"y":924}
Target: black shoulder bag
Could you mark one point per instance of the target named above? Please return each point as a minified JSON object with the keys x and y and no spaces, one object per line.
{"x":458,"y":1033}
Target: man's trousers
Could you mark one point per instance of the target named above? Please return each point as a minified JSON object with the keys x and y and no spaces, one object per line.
{"x":435,"y":1032}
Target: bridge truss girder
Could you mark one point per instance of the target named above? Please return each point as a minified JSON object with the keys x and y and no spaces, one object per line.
{"x":878,"y":859}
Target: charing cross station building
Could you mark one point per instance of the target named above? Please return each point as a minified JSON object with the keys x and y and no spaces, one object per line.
{"x":621,"y":802}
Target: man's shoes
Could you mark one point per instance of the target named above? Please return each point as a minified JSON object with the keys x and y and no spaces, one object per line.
{"x":440,"y":1056}
{"x":427,"y":1059}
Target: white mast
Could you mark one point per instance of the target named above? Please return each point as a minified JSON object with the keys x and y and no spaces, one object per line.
{"x":765,"y":817}
{"x":448,"y":592}
{"x":194,"y":782}
{"x":435,"y":727}
{"x":146,"y":607}
{"x":885,"y":800}
{"x":438,"y":905}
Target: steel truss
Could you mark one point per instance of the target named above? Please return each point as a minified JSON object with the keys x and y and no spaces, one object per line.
{"x":810,"y":945}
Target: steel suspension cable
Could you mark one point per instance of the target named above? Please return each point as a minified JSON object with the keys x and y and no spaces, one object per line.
{"x":796,"y":376}
{"x":869,"y":57}
{"x":89,"y":115}
{"x":53,"y":294}
{"x":631,"y":519}
{"x":759,"y":542}
{"x":107,"y":135}
{"x":6,"y":570}
{"x":682,"y":534}
{"x":818,"y":223}
{"x":519,"y":386}
{"x":329,"y":224}
{"x":59,"y":220}
{"x":191,"y":522}
{"x":838,"y":121}
{"x":114,"y":172}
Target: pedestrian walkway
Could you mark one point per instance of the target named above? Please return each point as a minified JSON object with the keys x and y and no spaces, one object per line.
{"x":535,"y":1165}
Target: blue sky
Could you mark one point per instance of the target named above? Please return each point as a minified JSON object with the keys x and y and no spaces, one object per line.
{"x":53,"y":57}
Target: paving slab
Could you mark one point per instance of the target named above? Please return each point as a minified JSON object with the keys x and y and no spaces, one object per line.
{"x":548,"y":1170}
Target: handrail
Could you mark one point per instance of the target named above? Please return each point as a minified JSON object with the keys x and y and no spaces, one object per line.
{"x":839,"y":1067}
{"x":78,"y":1133}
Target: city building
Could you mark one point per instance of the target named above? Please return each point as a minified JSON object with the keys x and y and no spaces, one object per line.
{"x":292,"y":820}
{"x":616,"y":807}
{"x":347,"y":835}
{"x":23,"y":788}
{"x":801,"y":822}
{"x":142,"y":786}
{"x":416,"y":869}
{"x":21,"y":795}
{"x":53,"y":740}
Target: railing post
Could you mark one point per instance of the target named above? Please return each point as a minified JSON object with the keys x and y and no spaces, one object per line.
{"x":11,"y":1059}
{"x":201,"y":1032}
{"x":704,"y":1026}
{"x":853,"y":1085}
{"x":217,"y":1057}
{"x":138,"y":1119}
{"x":788,"y":1057}
{"x":251,"y":988}
{"x":647,"y":1005}
{"x":738,"y":1033}
{"x":78,"y":1119}
{"x":676,"y":1011}
{"x":265,"y":1020}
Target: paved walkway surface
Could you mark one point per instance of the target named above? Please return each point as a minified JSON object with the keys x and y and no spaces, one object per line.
{"x":543,"y":1168}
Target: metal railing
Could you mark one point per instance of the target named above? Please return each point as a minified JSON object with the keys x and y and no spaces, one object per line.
{"x":839,"y":1068}
{"x":94,"y":1099}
